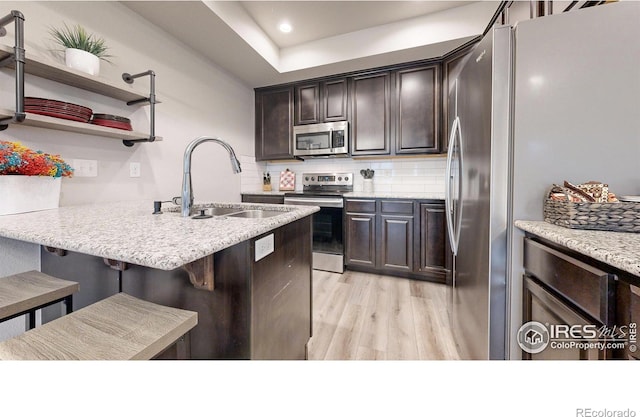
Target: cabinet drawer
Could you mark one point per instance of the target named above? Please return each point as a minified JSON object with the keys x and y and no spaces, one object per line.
{"x":262,"y":199}
{"x":396,"y":207}
{"x":589,"y":288}
{"x":361,"y":206}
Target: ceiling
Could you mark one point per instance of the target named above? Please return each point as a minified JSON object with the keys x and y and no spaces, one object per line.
{"x":312,"y":20}
{"x":329,"y":37}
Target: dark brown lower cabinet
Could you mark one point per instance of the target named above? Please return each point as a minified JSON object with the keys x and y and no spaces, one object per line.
{"x":361,"y":239}
{"x":566,"y":291}
{"x":397,"y":237}
{"x":396,"y":243}
{"x":263,"y":198}
{"x":542,"y":306}
{"x":434,"y":246}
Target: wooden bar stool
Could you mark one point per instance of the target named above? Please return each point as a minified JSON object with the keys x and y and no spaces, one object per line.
{"x":30,"y":291}
{"x":120,"y":327}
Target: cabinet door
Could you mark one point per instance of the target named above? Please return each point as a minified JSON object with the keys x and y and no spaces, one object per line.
{"x":274,"y":124}
{"x":418,"y":110}
{"x":451,"y":68}
{"x":361,"y":239}
{"x":334,"y":100}
{"x":542,"y":306}
{"x":307,"y":103}
{"x":433,"y":243}
{"x":396,"y":243}
{"x":370,"y":114}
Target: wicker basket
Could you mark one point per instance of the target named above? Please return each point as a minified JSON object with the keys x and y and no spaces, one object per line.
{"x":614,"y":217}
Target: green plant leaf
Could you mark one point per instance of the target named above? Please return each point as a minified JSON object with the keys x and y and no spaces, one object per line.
{"x":78,"y":38}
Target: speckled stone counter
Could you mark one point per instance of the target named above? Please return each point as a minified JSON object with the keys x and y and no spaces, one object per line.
{"x":405,"y":196}
{"x":128,"y":232}
{"x":621,"y":250}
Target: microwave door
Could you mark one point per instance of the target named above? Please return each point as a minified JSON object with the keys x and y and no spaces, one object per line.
{"x":313,"y":143}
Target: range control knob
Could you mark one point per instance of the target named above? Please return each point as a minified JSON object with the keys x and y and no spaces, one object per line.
{"x":339,"y":178}
{"x":306,"y":178}
{"x":313,"y":178}
{"x":346,"y":178}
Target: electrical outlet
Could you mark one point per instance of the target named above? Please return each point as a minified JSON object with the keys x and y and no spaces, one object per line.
{"x":264,"y":246}
{"x":134,"y":169}
{"x":85,"y":167}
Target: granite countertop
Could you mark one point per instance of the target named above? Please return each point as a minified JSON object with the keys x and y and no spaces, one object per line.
{"x":265,"y":192}
{"x":127,"y":231}
{"x":618,"y":249}
{"x":407,"y":196}
{"x":360,"y":194}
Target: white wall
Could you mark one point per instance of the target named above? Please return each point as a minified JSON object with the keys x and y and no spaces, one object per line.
{"x":198,"y":98}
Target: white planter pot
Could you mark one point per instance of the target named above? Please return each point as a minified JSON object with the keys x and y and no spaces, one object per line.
{"x":367,"y":185}
{"x":82,"y":61}
{"x":23,"y":193}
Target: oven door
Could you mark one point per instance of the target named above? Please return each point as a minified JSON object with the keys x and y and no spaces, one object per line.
{"x":328,"y":236}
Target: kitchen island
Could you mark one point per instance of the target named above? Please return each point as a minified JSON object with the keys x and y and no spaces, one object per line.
{"x":250,"y":305}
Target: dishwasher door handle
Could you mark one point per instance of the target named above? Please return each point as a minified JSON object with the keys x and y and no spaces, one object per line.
{"x":321,"y":202}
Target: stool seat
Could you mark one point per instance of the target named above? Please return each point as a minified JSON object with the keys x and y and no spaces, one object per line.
{"x":120,"y":327}
{"x":28,"y":291}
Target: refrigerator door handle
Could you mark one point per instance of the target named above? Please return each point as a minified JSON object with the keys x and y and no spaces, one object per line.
{"x":449,"y":184}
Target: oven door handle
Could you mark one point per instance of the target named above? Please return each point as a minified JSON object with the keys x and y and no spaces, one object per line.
{"x":324,"y":202}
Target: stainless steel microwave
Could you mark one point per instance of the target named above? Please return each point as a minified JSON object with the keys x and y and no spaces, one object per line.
{"x":321,"y":139}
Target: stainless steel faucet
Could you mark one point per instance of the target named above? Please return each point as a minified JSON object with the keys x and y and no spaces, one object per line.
{"x":187,"y":189}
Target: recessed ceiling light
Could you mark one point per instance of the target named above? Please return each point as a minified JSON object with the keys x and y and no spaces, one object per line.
{"x":285,"y":27}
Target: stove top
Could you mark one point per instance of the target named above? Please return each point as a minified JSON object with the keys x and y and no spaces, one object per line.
{"x":327,"y":183}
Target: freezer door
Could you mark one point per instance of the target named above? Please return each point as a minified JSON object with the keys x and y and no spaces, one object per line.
{"x":479,"y":276}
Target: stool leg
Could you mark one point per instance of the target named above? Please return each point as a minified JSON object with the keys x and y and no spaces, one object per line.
{"x":32,"y":319}
{"x":183,"y":347}
{"x":68,"y":302}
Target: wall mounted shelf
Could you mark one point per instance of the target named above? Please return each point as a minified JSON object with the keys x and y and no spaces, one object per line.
{"x":46,"y":122}
{"x":54,"y":71}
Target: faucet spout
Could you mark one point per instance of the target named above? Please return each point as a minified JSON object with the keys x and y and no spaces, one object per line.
{"x":187,"y":189}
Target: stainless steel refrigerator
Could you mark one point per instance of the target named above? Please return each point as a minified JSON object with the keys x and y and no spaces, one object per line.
{"x":551,"y":99}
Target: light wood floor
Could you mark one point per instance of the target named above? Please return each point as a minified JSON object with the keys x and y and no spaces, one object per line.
{"x":367,"y":316}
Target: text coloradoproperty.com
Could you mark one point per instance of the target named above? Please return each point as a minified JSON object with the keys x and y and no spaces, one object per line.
{"x":587,"y":345}
{"x":590,"y":412}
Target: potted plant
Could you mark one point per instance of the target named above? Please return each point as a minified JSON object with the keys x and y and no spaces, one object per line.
{"x":29,"y":180}
{"x":83,"y":50}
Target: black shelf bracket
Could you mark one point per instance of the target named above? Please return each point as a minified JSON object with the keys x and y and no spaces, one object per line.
{"x":18,"y":58}
{"x":128,"y":78}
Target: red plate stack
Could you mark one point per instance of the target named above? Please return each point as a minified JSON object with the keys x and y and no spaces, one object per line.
{"x":59,"y":109}
{"x":111,"y":120}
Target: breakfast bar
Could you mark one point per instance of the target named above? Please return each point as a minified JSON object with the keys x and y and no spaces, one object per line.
{"x":250,"y":285}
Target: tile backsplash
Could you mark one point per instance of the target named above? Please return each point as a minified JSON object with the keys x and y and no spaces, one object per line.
{"x":392,"y":176}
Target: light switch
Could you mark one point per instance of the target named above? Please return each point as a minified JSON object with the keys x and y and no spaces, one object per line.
{"x":264,"y":246}
{"x":134,"y":169}
{"x":85,"y":167}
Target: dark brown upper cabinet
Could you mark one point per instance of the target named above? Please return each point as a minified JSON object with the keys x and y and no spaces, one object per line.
{"x":307,"y":103}
{"x":417,"y":104}
{"x":451,"y":67}
{"x":371,"y":114}
{"x":319,"y":102}
{"x":274,"y":123}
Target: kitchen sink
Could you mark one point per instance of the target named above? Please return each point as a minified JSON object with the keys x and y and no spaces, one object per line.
{"x":256,"y":214}
{"x":221,"y":211}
